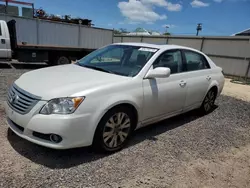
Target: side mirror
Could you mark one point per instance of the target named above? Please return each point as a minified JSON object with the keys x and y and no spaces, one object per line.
{"x":159,"y":72}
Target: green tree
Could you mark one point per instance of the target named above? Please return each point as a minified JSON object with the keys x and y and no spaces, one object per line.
{"x":122,"y":30}
{"x":117,"y":32}
{"x":167,"y":33}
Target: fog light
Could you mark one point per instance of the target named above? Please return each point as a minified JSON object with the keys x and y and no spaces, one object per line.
{"x":55,"y":138}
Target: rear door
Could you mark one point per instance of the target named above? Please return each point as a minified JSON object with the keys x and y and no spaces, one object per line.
{"x":198,"y":74}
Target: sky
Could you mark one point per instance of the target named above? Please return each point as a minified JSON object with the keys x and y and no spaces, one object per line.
{"x":218,"y":17}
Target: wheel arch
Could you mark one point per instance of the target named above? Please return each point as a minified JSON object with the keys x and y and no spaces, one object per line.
{"x":117,"y":104}
{"x":114,"y":104}
{"x":129,"y":106}
{"x":214,"y":88}
{"x":214,"y":85}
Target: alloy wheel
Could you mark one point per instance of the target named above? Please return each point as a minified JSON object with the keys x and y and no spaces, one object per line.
{"x":116,"y":130}
{"x":209,"y":101}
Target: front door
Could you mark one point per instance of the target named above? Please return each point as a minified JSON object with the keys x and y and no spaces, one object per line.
{"x":164,"y":96}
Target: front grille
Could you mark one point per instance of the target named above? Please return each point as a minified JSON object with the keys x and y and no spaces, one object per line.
{"x":21,"y":101}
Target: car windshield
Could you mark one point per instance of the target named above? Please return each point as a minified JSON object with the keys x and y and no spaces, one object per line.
{"x":123,"y":60}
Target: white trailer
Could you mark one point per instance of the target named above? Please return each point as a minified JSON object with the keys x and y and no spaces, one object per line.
{"x":37,"y":40}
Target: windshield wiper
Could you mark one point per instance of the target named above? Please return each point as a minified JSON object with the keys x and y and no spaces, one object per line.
{"x":98,"y":68}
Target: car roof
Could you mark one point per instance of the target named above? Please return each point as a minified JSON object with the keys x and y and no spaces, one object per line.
{"x":158,"y":46}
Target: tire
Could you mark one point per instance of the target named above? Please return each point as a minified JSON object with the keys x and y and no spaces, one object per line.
{"x":112,"y":136}
{"x":62,"y":60}
{"x":208,"y":102}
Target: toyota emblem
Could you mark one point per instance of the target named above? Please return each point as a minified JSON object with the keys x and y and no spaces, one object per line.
{"x":14,"y":99}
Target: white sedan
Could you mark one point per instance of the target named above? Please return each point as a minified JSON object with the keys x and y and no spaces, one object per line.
{"x":109,"y":93}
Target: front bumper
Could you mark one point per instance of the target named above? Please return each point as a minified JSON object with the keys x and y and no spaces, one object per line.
{"x":75,"y":129}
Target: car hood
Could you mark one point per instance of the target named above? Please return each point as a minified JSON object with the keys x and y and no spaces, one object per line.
{"x":65,"y":80}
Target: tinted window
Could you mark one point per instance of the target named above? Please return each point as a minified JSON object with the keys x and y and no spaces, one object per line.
{"x":195,"y":61}
{"x":0,"y":30}
{"x":170,"y":59}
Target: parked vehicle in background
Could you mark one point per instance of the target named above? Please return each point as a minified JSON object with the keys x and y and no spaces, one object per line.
{"x":39,"y":40}
{"x":109,"y":93}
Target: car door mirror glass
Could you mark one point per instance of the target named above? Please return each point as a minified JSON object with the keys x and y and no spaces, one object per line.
{"x":159,"y":72}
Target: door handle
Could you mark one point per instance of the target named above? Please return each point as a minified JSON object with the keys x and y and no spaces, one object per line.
{"x":208,"y":78}
{"x":182,"y":83}
{"x":3,"y":41}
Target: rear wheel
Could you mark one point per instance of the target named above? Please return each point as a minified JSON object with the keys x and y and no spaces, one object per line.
{"x":62,"y":60}
{"x":58,"y":60}
{"x":208,"y":103}
{"x":114,"y":130}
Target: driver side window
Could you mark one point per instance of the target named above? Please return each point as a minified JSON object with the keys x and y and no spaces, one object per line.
{"x":171,"y":59}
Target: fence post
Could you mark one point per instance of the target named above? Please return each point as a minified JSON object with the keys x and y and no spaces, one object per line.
{"x":202,"y":42}
{"x":167,"y":40}
{"x":121,"y":38}
{"x":79,"y":35}
{"x":141,"y":38}
{"x":37,"y":31}
{"x":248,"y":69}
{"x":113,"y":35}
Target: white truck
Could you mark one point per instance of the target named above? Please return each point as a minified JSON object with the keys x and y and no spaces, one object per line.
{"x":37,"y":40}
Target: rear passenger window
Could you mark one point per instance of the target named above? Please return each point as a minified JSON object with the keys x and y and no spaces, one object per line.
{"x":0,"y":30}
{"x":195,"y":61}
{"x":170,"y":59}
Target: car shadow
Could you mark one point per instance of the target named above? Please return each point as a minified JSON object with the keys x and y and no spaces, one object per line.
{"x":61,"y":159}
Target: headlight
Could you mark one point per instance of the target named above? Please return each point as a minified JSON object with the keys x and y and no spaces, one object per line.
{"x":61,"y":105}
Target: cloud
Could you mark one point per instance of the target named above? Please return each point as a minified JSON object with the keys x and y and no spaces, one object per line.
{"x":169,"y":26}
{"x":143,"y":10}
{"x":163,"y":3}
{"x":174,"y":7}
{"x":218,"y":1}
{"x":137,"y":11}
{"x":198,"y":4}
{"x":155,"y":2}
{"x":121,"y":23}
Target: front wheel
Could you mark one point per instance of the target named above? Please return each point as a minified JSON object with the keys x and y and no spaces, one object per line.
{"x":114,"y":130}
{"x":208,"y":103}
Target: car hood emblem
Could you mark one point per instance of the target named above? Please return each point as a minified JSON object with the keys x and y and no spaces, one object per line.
{"x":14,"y":98}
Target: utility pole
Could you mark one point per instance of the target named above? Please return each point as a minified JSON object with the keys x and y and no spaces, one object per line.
{"x":198,"y":28}
{"x":6,"y":6}
{"x":166,"y":28}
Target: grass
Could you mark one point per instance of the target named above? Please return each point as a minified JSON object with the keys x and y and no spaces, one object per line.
{"x":239,"y":80}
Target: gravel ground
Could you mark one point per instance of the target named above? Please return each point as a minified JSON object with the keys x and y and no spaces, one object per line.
{"x":184,"y":151}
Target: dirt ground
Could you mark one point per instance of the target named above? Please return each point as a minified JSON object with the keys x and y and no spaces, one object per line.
{"x":236,"y":90}
{"x":187,"y":151}
{"x":227,"y":169}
